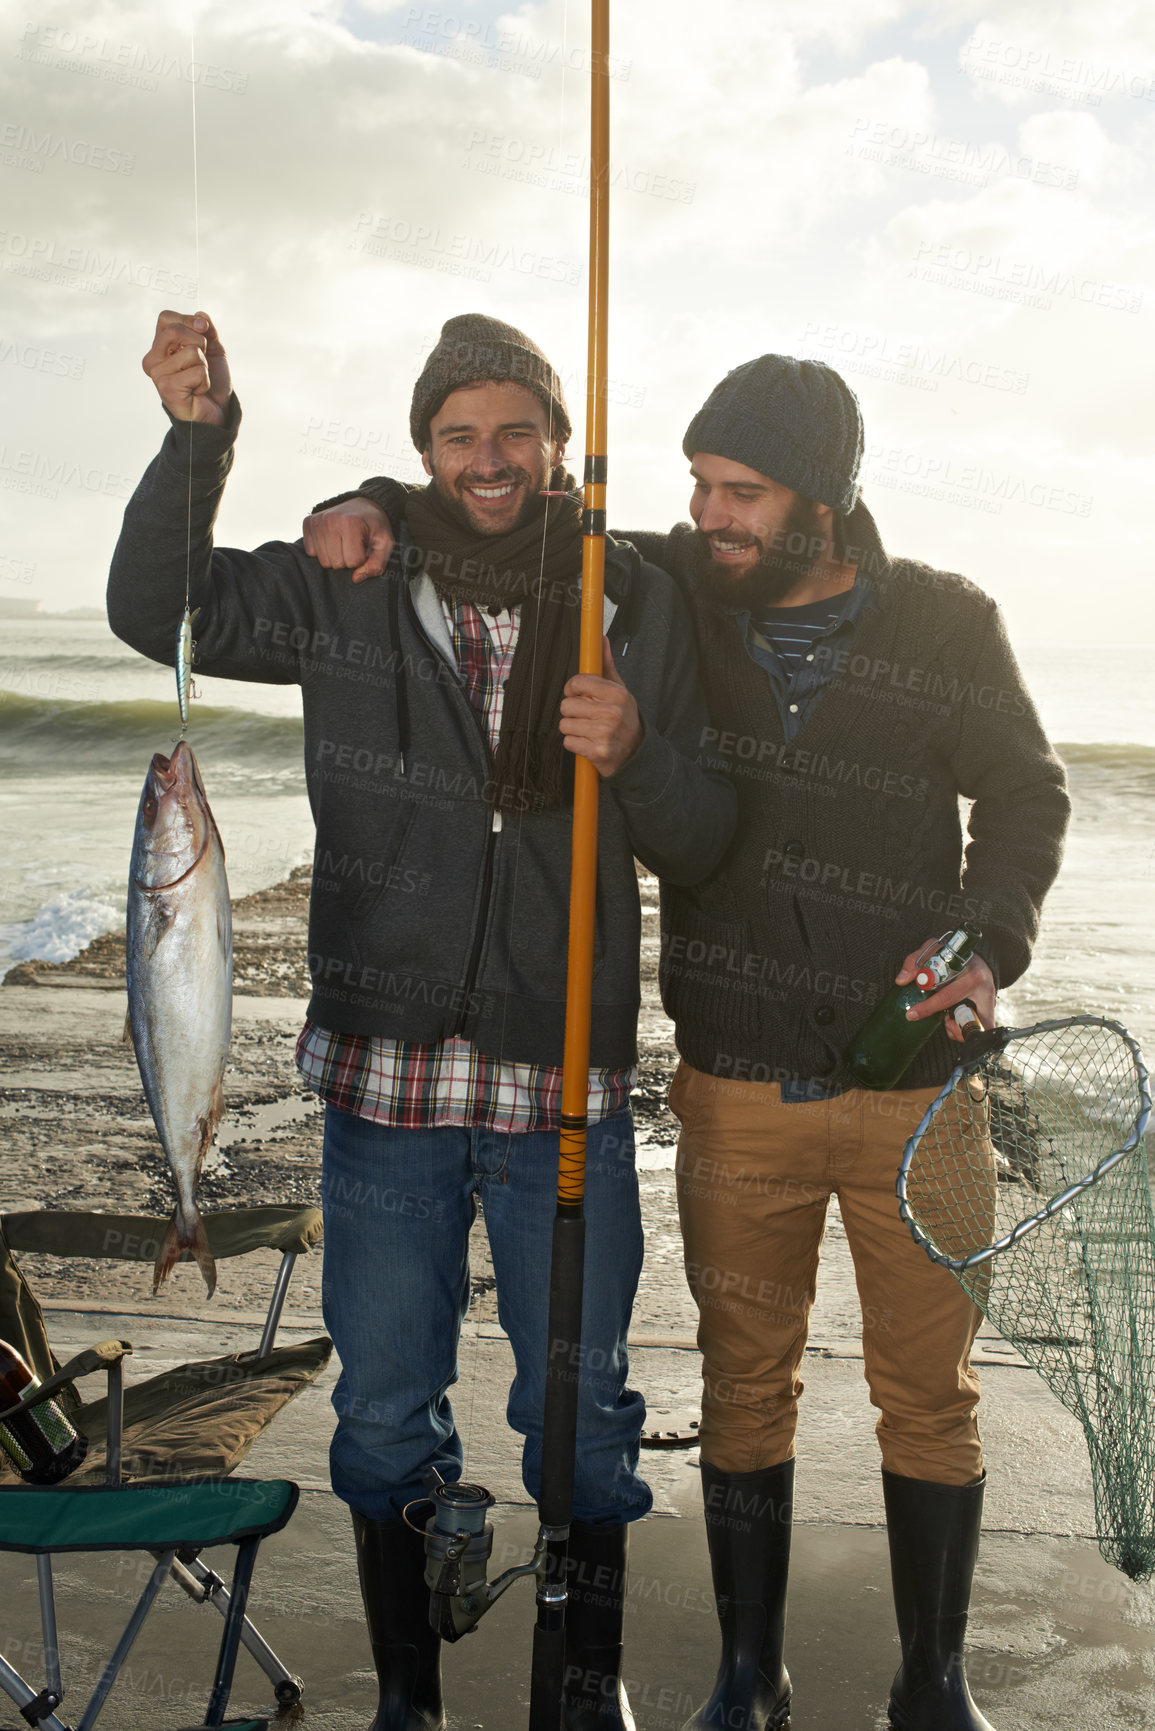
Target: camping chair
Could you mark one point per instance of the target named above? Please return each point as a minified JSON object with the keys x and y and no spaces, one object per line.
{"x":155,"y":1477}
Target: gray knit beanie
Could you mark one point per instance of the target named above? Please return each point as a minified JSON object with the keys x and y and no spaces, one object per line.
{"x":797,"y":422}
{"x":474,"y":350}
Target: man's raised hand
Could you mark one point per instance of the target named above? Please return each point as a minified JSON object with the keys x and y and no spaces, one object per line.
{"x":355,"y":535}
{"x":188,"y":366}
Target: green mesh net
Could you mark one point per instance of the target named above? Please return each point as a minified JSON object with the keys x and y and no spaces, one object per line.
{"x":1028,"y":1179}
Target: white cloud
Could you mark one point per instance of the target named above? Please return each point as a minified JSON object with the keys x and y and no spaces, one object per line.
{"x":779,"y":182}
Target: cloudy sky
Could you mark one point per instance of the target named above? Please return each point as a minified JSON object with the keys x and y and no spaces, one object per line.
{"x":953,"y":208}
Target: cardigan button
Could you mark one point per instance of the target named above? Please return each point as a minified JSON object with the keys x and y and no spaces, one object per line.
{"x":795,"y":847}
{"x":824,"y":1016}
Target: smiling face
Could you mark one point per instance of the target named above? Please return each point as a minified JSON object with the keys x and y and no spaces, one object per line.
{"x":490,"y":455}
{"x":758,"y":541}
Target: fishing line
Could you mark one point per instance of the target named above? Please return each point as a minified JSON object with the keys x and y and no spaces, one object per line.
{"x":192,"y":84}
{"x":184,"y":641}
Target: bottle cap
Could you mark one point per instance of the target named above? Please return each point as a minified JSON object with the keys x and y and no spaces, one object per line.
{"x":926,"y":980}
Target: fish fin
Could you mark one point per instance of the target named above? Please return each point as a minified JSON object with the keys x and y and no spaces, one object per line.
{"x":127,"y":1035}
{"x":182,"y":1233}
{"x":161,"y":916}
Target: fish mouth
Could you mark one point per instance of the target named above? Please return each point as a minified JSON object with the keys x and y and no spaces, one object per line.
{"x":179,"y":774}
{"x":180,"y":768}
{"x":174,"y":795}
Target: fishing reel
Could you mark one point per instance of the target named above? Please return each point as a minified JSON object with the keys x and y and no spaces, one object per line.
{"x":458,"y":1546}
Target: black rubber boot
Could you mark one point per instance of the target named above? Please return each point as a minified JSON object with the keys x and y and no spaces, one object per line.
{"x":748,"y":1522}
{"x":934,"y":1540}
{"x":406,"y":1651}
{"x":595,"y":1699}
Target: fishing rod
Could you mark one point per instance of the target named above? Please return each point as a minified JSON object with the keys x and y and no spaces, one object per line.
{"x":459,"y":1539}
{"x":563,"y":1360}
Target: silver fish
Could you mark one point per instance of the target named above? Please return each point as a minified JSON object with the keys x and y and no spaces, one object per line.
{"x":180,"y":983}
{"x":183,"y":661}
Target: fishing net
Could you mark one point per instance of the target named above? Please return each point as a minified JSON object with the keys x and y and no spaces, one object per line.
{"x":1027,"y":1178}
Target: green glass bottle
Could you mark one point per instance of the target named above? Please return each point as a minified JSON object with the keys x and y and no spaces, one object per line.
{"x":886,"y":1043}
{"x":42,"y":1443}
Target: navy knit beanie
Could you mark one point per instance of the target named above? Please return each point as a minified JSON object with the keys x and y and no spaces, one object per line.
{"x":796,"y":422}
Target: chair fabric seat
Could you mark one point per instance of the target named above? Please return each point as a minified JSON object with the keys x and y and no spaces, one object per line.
{"x":197,"y":1420}
{"x":142,"y":1517}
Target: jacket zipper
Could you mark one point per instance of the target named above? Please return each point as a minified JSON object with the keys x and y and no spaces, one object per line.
{"x":492,"y":833}
{"x":483,"y":920}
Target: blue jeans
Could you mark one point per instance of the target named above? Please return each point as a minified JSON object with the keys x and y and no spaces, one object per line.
{"x":398,"y":1208}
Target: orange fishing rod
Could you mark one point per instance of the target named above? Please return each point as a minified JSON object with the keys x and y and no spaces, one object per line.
{"x":559,"y":1430}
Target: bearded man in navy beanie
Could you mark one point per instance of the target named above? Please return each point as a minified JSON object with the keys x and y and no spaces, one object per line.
{"x":854,"y":698}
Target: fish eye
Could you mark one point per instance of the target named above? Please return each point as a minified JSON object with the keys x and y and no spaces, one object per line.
{"x":150,"y":807}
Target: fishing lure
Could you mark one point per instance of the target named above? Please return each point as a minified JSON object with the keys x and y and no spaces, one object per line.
{"x":183,"y":661}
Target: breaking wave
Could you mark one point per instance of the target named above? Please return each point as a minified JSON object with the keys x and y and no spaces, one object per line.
{"x":56,"y":734}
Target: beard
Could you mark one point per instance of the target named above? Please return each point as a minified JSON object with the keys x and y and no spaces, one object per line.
{"x":452,"y":496}
{"x":777,"y":571}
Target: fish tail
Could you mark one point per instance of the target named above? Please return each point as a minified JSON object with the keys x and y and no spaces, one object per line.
{"x":185,"y":1232}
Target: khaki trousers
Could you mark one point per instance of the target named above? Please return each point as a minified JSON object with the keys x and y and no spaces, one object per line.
{"x":754,"y":1181}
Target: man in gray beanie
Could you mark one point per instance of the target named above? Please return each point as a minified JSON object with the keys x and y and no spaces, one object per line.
{"x":853,"y":698}
{"x":443,"y":709}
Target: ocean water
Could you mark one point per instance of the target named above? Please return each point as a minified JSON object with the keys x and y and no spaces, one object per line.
{"x":81,"y":715}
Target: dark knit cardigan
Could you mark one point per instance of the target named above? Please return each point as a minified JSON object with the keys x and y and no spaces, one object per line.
{"x":849,"y":848}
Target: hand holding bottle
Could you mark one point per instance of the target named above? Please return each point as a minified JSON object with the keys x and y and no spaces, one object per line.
{"x":930,"y":981}
{"x":975,"y":981}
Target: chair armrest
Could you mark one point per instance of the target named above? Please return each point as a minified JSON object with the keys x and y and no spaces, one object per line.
{"x":104,"y":1356}
{"x":137,"y":1237}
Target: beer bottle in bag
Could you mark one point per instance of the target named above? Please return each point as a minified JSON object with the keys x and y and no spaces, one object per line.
{"x":886,"y":1043}
{"x":42,"y":1444}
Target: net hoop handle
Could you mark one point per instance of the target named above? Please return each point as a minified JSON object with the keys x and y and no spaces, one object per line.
{"x":961,"y":1264}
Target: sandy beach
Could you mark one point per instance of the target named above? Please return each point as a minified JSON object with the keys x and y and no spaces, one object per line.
{"x":1057,"y":1635}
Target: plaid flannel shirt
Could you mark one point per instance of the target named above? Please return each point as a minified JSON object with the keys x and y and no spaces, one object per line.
{"x":414,"y":1087}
